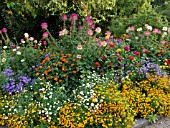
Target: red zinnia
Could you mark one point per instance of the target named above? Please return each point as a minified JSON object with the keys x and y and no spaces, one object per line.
{"x":111,"y":45}
{"x":146,"y":51}
{"x":103,"y":58}
{"x":131,"y":57}
{"x":120,"y":58}
{"x":97,"y":64}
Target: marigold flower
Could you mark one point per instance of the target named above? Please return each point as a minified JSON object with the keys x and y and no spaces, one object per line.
{"x":45,"y":72}
{"x":60,"y":80}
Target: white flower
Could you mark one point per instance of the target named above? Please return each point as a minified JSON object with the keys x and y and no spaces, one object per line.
{"x":35,"y":41}
{"x":18,"y":47}
{"x":3,"y":60}
{"x":98,"y":30}
{"x":23,"y":41}
{"x":78,"y":56}
{"x":149,"y":28}
{"x":164,"y":28}
{"x":92,"y":104}
{"x":18,"y":53}
{"x":31,"y":38}
{"x":139,"y":29}
{"x":26,"y":35}
{"x":14,"y":50}
{"x":81,"y":92}
{"x":50,"y":113}
{"x":127,"y":30}
{"x":22,"y":60}
{"x":42,"y":111}
{"x":4,"y":47}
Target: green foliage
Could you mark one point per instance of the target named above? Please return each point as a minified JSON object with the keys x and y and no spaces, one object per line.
{"x":119,"y":24}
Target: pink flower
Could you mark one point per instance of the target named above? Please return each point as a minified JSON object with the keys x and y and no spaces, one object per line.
{"x":4,"y":30}
{"x":163,"y":42}
{"x":120,"y":58}
{"x":44,"y":43}
{"x":73,"y":17}
{"x":98,"y":30}
{"x":13,"y":46}
{"x":0,"y":31}
{"x":44,"y":26}
{"x":131,"y":28}
{"x":80,"y":27}
{"x":108,"y":33}
{"x":45,"y":35}
{"x":90,"y":32}
{"x":169,"y":31}
{"x":147,"y":33}
{"x":127,"y":48}
{"x":64,"y":17}
{"x":155,"y":30}
{"x":63,"y":32}
{"x":88,"y":17}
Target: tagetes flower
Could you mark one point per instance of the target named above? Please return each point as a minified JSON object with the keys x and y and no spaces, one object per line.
{"x":47,"y":59}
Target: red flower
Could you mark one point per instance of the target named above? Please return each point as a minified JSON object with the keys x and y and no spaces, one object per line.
{"x":110,"y":64}
{"x":97,"y":64}
{"x":146,"y":51}
{"x":35,"y":47}
{"x":137,"y":53}
{"x":131,"y":57}
{"x":103,"y":58}
{"x":111,"y":45}
{"x":114,"y":37}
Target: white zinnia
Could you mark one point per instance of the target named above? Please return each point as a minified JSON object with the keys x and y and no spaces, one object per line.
{"x":164,"y":28}
{"x":18,"y":53}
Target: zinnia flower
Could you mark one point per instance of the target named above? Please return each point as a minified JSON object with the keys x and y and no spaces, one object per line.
{"x":90,"y":32}
{"x":96,"y":64}
{"x":131,"y":57}
{"x":127,"y":48}
{"x":4,"y":30}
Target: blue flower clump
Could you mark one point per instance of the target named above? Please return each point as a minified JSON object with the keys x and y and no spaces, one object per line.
{"x":15,"y":82}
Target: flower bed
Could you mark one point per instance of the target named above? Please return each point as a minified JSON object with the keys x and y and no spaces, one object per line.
{"x":84,"y":79}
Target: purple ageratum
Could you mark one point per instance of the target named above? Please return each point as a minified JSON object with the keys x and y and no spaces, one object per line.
{"x":74,"y":17}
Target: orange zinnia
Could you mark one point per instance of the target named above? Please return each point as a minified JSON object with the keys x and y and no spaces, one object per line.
{"x":63,"y":68}
{"x":47,"y":59}
{"x":60,"y":80}
{"x":37,"y":74}
{"x":55,"y":78}
{"x":45,"y":72}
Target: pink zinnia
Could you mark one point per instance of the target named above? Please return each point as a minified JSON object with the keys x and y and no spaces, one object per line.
{"x":64,"y":17}
{"x":163,"y":42}
{"x":90,"y":32}
{"x":127,"y":48}
{"x":13,"y":46}
{"x":44,"y":26}
{"x":44,"y":43}
{"x":155,"y":30}
{"x":147,"y":33}
{"x":4,"y":30}
{"x":74,"y":17}
{"x":108,"y":33}
{"x":131,"y":28}
{"x":45,"y":35}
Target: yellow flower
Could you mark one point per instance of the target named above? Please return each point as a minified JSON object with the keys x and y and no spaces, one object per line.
{"x":118,"y":50}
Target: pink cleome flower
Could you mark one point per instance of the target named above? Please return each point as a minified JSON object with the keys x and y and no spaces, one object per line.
{"x":74,"y":17}
{"x":4,"y":30}
{"x":64,"y":17}
{"x":44,"y":25}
